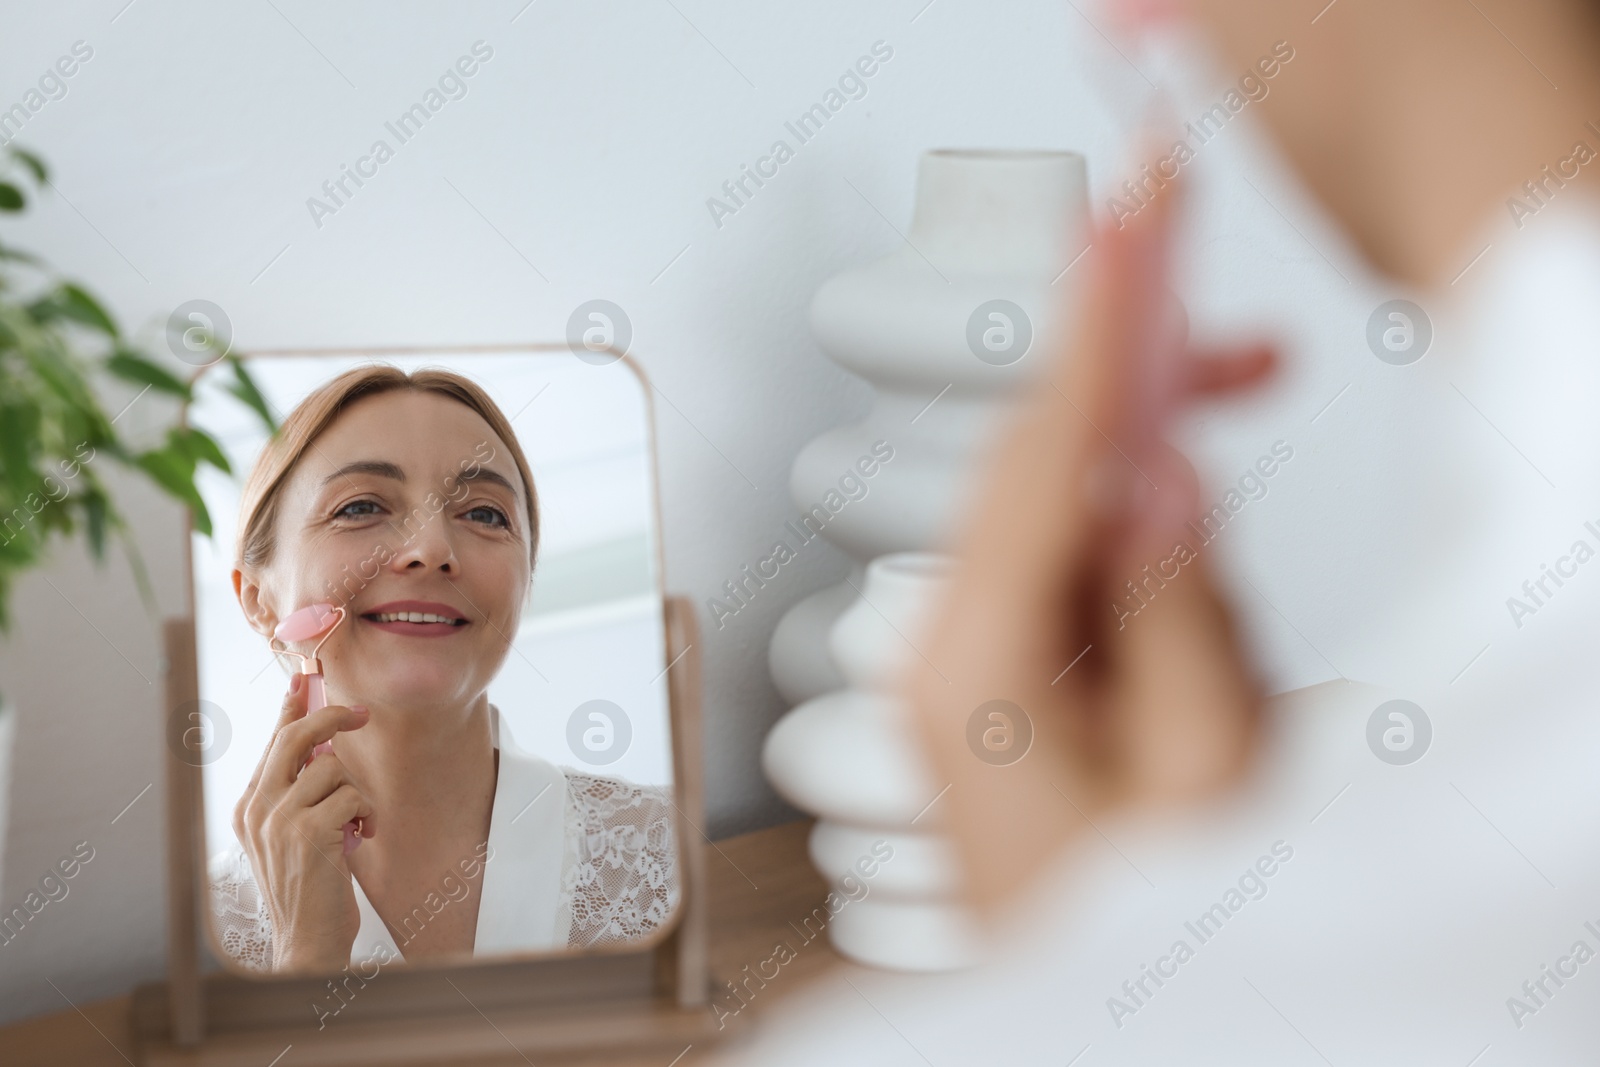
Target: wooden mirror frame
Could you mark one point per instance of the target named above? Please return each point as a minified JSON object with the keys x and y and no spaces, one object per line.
{"x":577,"y":1004}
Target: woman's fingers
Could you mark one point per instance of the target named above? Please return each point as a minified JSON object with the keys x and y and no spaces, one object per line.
{"x":1186,"y":720}
{"x":1186,"y":701}
{"x":1012,"y":629}
{"x":1227,"y":370}
{"x":1030,"y":525}
{"x":322,"y":778}
{"x":345,"y":803}
{"x":1030,"y":531}
{"x":318,"y":781}
{"x":294,"y":743}
{"x":294,"y":708}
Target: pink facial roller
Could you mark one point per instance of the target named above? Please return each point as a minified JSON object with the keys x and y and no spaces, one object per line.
{"x":303,"y":625}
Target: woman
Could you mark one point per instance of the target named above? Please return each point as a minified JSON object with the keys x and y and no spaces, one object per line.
{"x":1333,"y":878}
{"x":406,"y":499}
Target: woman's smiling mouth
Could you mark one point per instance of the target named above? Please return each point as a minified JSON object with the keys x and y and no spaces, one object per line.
{"x":416,"y":618}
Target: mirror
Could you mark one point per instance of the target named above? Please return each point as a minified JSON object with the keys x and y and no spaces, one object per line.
{"x":511,"y":791}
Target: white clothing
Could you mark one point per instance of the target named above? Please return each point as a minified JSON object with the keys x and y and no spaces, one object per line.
{"x":573,"y":860}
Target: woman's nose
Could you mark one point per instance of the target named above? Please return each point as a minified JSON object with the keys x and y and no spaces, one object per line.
{"x":429,"y":546}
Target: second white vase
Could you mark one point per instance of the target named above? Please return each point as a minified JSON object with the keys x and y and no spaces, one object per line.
{"x":845,"y":757}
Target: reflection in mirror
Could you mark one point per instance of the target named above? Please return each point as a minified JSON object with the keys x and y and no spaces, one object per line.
{"x":470,"y":542}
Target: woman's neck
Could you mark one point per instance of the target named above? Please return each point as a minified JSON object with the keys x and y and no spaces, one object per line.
{"x":1468,"y":141}
{"x":1413,"y":121}
{"x":430,"y":778}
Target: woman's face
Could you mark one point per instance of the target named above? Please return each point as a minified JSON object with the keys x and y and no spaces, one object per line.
{"x":406,"y":496}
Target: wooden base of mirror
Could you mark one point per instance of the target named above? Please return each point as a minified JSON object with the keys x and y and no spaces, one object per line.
{"x":573,"y":1007}
{"x":588,"y":1031}
{"x":539,"y":1020}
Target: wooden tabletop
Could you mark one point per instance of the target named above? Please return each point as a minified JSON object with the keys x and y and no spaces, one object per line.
{"x":761,"y":883}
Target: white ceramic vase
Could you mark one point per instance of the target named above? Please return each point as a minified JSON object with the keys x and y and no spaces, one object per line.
{"x":944,"y":328}
{"x":844,"y":756}
{"x":989,"y":229}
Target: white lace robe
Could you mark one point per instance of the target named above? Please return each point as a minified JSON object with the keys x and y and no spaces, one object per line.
{"x":599,"y":868}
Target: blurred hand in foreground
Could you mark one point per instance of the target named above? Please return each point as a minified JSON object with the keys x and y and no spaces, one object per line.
{"x":1078,"y":494}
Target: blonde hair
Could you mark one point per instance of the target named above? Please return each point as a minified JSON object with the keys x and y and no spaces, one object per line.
{"x":258,"y":510}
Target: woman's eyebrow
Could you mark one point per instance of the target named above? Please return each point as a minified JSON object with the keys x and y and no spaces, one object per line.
{"x":385,"y":469}
{"x":484,"y":474}
{"x":381,"y":468}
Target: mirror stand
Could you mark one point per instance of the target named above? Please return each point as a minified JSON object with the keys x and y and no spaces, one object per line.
{"x":653,"y":999}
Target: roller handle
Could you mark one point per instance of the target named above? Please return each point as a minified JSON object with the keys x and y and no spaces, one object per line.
{"x":316,"y":697}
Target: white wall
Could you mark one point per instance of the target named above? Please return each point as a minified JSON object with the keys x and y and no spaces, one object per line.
{"x":578,"y":166}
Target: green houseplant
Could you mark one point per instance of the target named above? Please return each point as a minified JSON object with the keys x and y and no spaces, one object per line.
{"x":54,"y":337}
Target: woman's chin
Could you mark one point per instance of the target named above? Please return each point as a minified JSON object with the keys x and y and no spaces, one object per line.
{"x":406,"y":684}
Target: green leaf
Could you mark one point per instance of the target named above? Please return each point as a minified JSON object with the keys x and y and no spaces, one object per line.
{"x":17,"y":426}
{"x":94,"y":508}
{"x":202,"y":517}
{"x":60,"y":374}
{"x":200,"y":447}
{"x":173,"y":471}
{"x":79,"y":306}
{"x":112,"y":447}
{"x":14,"y":549}
{"x":133,"y":367}
{"x":33,"y":163}
{"x":68,"y":301}
{"x":10,"y":197}
{"x":244,"y":388}
{"x":171,"y":468}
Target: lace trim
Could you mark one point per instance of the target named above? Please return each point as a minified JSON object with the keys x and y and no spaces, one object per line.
{"x":619,"y":873}
{"x":243,"y":924}
{"x":619,"y":878}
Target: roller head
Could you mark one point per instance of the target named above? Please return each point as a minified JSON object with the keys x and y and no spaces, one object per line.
{"x":308,"y":622}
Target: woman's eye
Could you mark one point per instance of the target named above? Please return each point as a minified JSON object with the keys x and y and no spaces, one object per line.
{"x":499,"y":516}
{"x":345,"y":512}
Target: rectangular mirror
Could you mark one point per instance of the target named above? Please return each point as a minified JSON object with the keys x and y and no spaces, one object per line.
{"x":511,"y":792}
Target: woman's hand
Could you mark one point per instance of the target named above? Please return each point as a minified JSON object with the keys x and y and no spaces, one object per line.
{"x":291,"y":823}
{"x":1078,"y":496}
